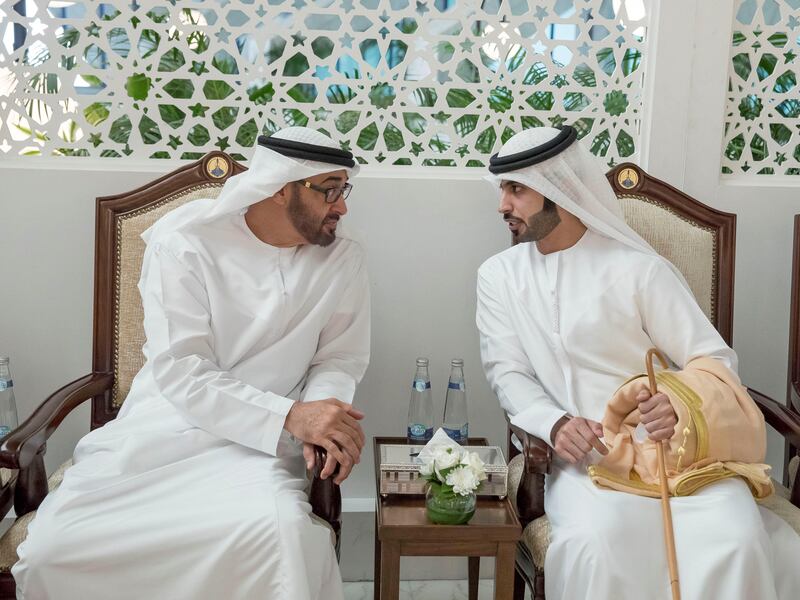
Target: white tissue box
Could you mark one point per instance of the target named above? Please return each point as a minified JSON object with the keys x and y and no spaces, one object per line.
{"x":399,"y":470}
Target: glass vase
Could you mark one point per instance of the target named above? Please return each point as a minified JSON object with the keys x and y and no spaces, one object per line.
{"x":449,"y":509}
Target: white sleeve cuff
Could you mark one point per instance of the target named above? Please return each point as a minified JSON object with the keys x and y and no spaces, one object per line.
{"x":538,"y":421}
{"x":330,"y":384}
{"x":278,"y":407}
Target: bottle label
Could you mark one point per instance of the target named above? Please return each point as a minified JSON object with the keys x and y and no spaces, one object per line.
{"x":458,"y":435}
{"x":417,"y":432}
{"x":456,"y":386}
{"x":420,"y":385}
{"x":4,"y":430}
{"x":6,"y":383}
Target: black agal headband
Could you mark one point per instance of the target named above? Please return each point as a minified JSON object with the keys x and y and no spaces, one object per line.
{"x":532,"y":156}
{"x":301,"y":150}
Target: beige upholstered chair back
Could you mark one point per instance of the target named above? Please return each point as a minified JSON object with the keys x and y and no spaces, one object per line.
{"x":690,"y":246}
{"x":119,"y":331}
{"x":697,"y":239}
{"x":128,"y":357}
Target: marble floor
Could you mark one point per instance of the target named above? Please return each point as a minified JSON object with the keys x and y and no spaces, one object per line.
{"x":424,"y":590}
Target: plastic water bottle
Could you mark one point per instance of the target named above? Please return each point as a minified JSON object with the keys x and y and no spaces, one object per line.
{"x":8,"y":407}
{"x":420,"y":407}
{"x":455,"y":421}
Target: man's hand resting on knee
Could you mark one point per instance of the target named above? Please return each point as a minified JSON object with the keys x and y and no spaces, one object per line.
{"x":574,"y":437}
{"x":333,"y":425}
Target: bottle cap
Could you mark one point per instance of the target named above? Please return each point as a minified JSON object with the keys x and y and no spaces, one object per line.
{"x":422,"y":361}
{"x":457,"y":362}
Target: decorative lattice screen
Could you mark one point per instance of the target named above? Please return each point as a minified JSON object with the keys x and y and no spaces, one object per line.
{"x":433,"y":83}
{"x":761,"y":124}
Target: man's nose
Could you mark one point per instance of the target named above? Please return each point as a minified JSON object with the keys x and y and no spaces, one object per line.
{"x":505,"y":205}
{"x":340,"y":206}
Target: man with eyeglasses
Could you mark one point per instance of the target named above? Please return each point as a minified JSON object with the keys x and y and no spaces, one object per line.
{"x":257,"y":322}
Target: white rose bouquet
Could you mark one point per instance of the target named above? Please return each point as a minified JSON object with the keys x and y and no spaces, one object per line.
{"x":450,"y":469}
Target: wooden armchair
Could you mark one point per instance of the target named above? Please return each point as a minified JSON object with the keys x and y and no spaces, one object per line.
{"x":117,"y":353}
{"x":700,"y":242}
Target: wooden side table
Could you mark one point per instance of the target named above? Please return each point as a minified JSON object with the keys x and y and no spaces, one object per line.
{"x":402,"y":529}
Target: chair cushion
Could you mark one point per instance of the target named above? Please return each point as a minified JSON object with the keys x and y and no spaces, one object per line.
{"x":536,"y":535}
{"x":6,"y":475}
{"x":537,"y":538}
{"x":17,"y":533}
{"x":779,"y":501}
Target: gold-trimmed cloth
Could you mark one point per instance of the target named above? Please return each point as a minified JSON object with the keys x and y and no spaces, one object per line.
{"x":720,"y":434}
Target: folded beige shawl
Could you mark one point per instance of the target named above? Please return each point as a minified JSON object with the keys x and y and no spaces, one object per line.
{"x":720,"y":434}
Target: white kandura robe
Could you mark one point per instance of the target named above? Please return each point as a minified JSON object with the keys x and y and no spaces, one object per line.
{"x":195,"y":491}
{"x":559,"y":334}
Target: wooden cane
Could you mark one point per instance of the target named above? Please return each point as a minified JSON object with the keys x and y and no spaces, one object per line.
{"x":666,"y":512}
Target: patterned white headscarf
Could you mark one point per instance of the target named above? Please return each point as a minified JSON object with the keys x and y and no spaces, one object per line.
{"x":267,"y":173}
{"x":575,"y":181}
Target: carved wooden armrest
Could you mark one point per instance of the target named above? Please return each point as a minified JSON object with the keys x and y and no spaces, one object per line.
{"x":7,"y":495}
{"x":21,"y":446}
{"x":537,"y":456}
{"x":25,"y":446}
{"x":778,"y":416}
{"x":785,"y":422}
{"x":325,"y":496}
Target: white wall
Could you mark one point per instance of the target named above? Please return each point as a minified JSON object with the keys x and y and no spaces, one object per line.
{"x":425,"y":239}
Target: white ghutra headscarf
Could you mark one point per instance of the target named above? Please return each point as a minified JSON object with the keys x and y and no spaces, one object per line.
{"x":291,"y":154}
{"x":553,"y":163}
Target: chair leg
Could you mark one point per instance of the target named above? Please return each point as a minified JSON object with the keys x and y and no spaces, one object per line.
{"x":519,"y":586}
{"x":538,"y":585}
{"x":8,"y":588}
{"x":474,"y":575}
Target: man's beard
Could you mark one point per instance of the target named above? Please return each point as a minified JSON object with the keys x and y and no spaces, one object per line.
{"x":542,"y":224}
{"x":307,"y":224}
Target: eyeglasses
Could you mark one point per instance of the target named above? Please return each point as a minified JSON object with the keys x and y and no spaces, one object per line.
{"x":332,"y":194}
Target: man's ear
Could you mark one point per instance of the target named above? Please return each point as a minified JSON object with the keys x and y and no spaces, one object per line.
{"x":281,"y":197}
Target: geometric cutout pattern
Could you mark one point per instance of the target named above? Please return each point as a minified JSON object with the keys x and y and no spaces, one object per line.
{"x":762,"y":117}
{"x":398,"y":82}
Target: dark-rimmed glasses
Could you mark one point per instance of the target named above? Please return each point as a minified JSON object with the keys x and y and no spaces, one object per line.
{"x":332,"y":194}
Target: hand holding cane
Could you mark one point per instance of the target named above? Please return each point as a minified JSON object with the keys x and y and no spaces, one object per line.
{"x":666,"y":512}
